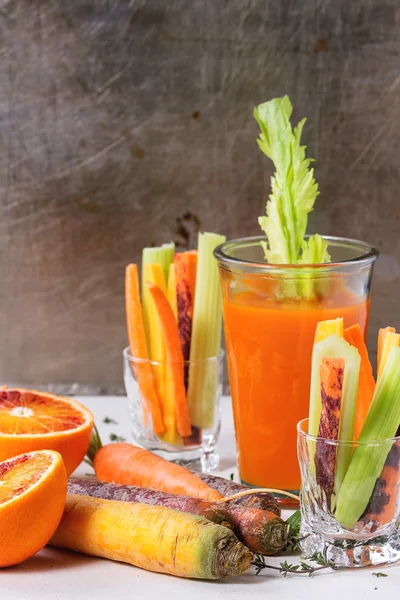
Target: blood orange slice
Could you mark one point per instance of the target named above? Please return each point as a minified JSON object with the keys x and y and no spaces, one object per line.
{"x":31,"y":420}
{"x":33,"y":489}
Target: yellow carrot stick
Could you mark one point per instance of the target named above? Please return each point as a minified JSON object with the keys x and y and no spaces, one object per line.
{"x":138,"y":348}
{"x":381,"y":340}
{"x":390,"y":340}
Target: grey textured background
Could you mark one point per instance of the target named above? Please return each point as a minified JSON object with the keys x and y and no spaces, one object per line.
{"x":127,"y":123}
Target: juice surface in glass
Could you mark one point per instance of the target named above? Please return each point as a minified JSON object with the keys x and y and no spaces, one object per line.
{"x":269,"y":346}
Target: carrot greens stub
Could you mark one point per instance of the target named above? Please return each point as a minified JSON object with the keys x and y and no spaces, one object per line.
{"x":206,"y":334}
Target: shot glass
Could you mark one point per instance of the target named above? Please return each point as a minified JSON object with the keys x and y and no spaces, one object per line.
{"x":355,"y":522}
{"x":203,"y":382}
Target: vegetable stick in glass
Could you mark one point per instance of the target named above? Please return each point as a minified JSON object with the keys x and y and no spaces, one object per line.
{"x":138,"y":348}
{"x":174,"y":364}
{"x":206,"y":334}
{"x":366,"y":383}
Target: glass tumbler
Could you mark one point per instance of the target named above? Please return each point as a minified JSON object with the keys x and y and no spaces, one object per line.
{"x":355,"y":523}
{"x":270,"y":316}
{"x":203,"y":381}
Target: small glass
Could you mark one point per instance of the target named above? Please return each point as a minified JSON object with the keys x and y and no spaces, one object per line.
{"x":199,"y":451}
{"x":375,"y":538}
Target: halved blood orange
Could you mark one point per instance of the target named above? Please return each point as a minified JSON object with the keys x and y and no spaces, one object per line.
{"x":31,"y":420}
{"x":33,"y":489}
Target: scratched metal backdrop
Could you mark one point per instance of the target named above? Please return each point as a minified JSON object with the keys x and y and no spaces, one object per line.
{"x":127,"y":123}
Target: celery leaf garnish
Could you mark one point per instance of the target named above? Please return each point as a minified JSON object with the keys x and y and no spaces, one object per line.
{"x":293,"y":186}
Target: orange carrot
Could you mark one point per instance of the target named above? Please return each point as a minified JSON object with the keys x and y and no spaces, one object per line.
{"x":381,"y":341}
{"x":366,"y":383}
{"x":174,"y":359}
{"x":171,"y":290}
{"x":124,"y":463}
{"x":138,"y":347}
{"x":185,"y":267}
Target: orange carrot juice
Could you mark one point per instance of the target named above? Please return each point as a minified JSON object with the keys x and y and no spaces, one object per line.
{"x":269,"y":345}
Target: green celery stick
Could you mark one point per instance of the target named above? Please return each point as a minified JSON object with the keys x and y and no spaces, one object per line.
{"x":206,"y":333}
{"x":336,"y":347}
{"x":160,"y":255}
{"x":367,"y":462}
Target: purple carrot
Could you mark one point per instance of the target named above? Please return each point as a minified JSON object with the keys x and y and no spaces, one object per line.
{"x":262,"y":500}
{"x":127,"y":493}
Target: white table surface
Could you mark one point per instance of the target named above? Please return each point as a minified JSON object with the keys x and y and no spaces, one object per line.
{"x":57,"y":574}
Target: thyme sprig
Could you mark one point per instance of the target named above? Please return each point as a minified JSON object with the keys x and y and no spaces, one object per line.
{"x":285,"y":568}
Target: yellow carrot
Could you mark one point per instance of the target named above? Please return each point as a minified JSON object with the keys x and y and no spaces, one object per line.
{"x":154,"y":538}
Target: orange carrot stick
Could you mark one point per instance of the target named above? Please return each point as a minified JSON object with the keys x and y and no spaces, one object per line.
{"x":138,"y":347}
{"x":171,"y":290}
{"x":124,"y":463}
{"x":366,"y":383}
{"x":185,"y":268}
{"x":381,"y":342}
{"x":382,"y":505}
{"x":174,"y":363}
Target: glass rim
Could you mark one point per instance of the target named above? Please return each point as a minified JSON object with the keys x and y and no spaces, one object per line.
{"x":132,"y":359}
{"x":331,"y":442}
{"x":368,"y":254}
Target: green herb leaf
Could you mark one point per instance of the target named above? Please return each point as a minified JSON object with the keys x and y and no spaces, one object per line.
{"x":108,"y":421}
{"x":116,"y":438}
{"x":232,"y":476}
{"x":294,"y":188}
{"x":380,"y":574}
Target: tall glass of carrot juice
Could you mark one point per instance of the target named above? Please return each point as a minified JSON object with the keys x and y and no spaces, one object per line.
{"x":270,"y":316}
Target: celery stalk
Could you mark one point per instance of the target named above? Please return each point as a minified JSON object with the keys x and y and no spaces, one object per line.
{"x":336,"y":347}
{"x":160,"y":255}
{"x":206,"y":334}
{"x":367,"y":462}
{"x":293,"y":188}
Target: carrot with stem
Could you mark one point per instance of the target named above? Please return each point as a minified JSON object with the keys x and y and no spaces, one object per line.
{"x":174,"y":364}
{"x":127,"y":464}
{"x":138,"y":348}
{"x":366,"y":382}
